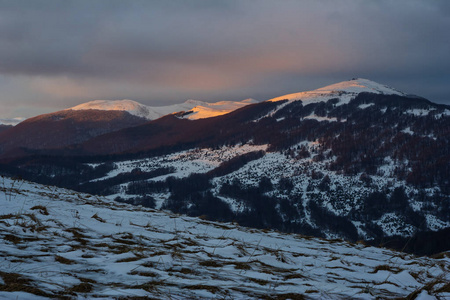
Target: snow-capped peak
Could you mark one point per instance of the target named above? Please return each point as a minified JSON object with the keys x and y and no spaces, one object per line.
{"x":130,"y":106}
{"x":200,"y":109}
{"x":359,"y":85}
{"x":345,"y":91}
{"x":109,"y":105}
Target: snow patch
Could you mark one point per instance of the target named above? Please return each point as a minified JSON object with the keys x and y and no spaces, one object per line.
{"x":364,"y":106}
{"x":320,"y":119}
{"x":408,"y":131}
{"x":419,"y":111}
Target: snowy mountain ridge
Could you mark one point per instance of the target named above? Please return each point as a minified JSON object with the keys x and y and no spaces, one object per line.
{"x":57,"y":243}
{"x":199,"y":109}
{"x":345,"y":91}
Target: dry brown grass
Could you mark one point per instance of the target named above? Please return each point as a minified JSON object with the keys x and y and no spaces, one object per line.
{"x":12,"y":238}
{"x":42,"y":209}
{"x":82,"y":288}
{"x":129,"y":259}
{"x":137,"y":298}
{"x":88,"y":280}
{"x":158,"y":253}
{"x":294,"y":276}
{"x":291,"y":296}
{"x":187,"y":271}
{"x":386,"y":268}
{"x":242,"y":265}
{"x":8,"y":216}
{"x":15,"y":282}
{"x":259,"y":281}
{"x":444,"y":289}
{"x":210,"y":263}
{"x":148,"y":264}
{"x":210,"y":288}
{"x":144,"y":273}
{"x":64,"y":260}
{"x":190,"y":243}
{"x":95,"y":216}
{"x":152,"y":285}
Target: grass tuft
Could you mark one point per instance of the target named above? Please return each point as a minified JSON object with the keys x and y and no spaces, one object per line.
{"x":12,"y":238}
{"x":444,"y":289}
{"x":209,"y":288}
{"x":210,"y":263}
{"x":294,"y":276}
{"x":8,"y":216}
{"x":386,"y":268}
{"x":242,"y":266}
{"x":42,"y":209}
{"x":95,"y":216}
{"x":16,"y":283}
{"x":144,"y":273}
{"x":259,"y":281}
{"x":291,"y":296}
{"x":83,"y":288}
{"x":129,"y":259}
{"x":64,"y":260}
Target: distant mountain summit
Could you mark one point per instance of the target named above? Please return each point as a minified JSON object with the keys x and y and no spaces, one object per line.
{"x":345,"y":91}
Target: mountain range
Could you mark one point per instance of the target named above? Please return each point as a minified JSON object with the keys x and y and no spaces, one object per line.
{"x":355,"y":160}
{"x":85,"y":121}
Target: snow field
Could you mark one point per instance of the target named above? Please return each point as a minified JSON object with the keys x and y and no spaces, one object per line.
{"x":57,"y":243}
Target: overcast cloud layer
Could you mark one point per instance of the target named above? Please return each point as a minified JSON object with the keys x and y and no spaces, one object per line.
{"x":57,"y":54}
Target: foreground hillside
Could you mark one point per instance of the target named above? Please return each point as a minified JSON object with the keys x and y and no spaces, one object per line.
{"x":59,"y":243}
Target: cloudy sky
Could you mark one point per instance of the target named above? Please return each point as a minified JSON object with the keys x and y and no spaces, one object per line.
{"x":57,"y":54}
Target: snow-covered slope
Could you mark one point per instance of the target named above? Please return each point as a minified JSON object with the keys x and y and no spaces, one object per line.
{"x":57,"y":243}
{"x":206,"y":110}
{"x":346,"y":193}
{"x":345,"y":91}
{"x":200,"y":109}
{"x":131,"y":106}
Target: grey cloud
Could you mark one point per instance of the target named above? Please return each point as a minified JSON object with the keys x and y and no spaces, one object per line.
{"x":185,"y":49}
